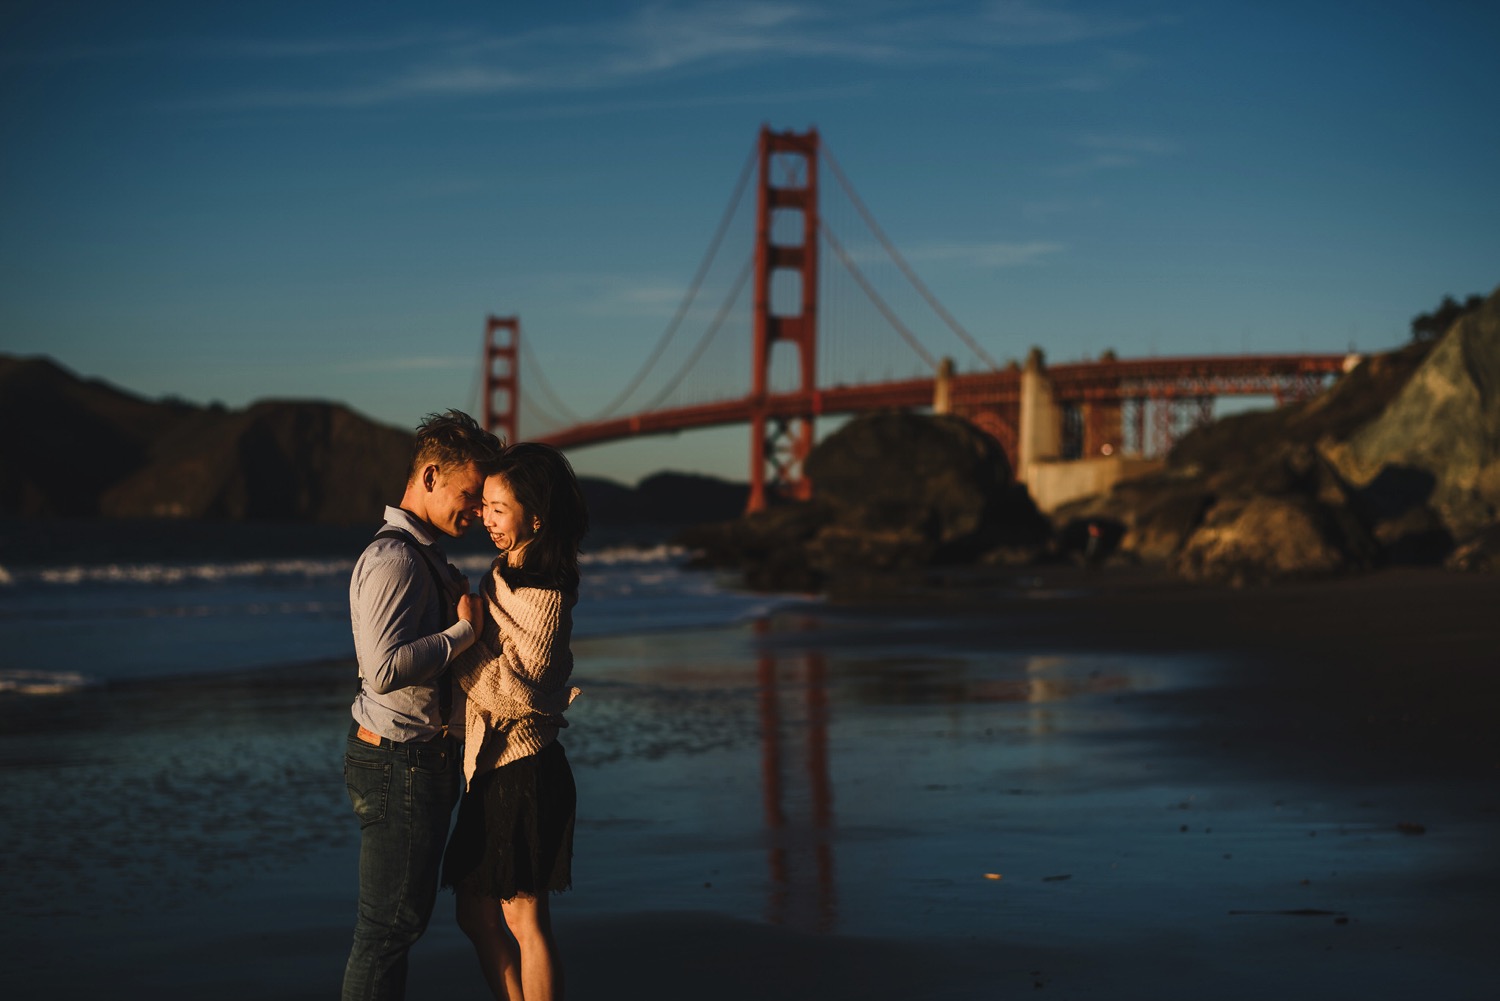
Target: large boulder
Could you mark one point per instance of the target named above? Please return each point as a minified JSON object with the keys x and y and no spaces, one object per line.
{"x":896,"y":470}
{"x":893,"y":491}
{"x":907,"y":489}
{"x":1437,"y":444}
{"x":1265,"y":538}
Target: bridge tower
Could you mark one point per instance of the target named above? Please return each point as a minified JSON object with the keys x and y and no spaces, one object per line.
{"x":788,"y":195}
{"x":502,"y":370}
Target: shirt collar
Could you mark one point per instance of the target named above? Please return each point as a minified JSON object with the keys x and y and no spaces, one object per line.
{"x":419,"y":529}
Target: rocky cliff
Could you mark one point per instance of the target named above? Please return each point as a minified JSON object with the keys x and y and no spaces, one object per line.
{"x":1398,"y":462}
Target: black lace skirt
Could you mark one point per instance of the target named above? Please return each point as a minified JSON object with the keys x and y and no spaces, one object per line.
{"x":515,"y":829}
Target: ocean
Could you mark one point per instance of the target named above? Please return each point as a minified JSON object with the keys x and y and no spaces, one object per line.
{"x":99,"y":603}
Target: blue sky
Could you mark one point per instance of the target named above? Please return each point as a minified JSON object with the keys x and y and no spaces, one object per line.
{"x":324,"y":200}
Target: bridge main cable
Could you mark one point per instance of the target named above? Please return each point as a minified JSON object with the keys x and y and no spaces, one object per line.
{"x":535,"y":370}
{"x":687,"y":302}
{"x":906,"y":269}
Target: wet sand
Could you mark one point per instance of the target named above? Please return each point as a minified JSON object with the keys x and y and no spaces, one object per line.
{"x":1090,"y":785}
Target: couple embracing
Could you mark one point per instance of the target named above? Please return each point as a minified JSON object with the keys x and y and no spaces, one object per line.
{"x":465,"y":692}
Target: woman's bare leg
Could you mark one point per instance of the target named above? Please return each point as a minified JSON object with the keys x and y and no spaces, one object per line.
{"x":530,"y":921}
{"x":483,"y":920}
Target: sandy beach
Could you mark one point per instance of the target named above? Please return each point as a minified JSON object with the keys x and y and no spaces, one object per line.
{"x":1044,"y":782}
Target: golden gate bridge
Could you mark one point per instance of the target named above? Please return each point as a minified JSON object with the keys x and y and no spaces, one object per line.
{"x":834,"y":341}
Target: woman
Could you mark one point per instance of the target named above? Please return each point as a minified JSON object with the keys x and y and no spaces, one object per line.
{"x":513,"y":843}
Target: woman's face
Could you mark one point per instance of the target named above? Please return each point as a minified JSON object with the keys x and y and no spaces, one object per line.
{"x":509,"y":525}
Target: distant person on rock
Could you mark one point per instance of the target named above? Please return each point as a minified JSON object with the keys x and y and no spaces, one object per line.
{"x":513,"y":842}
{"x":412,"y":615}
{"x":1093,"y":551}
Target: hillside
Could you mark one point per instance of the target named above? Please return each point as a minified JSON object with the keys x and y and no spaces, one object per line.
{"x":91,"y":449}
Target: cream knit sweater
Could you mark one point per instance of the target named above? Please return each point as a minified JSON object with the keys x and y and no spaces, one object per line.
{"x":516,"y":673}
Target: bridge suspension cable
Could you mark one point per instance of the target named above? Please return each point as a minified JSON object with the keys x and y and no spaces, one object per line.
{"x":534,"y":372}
{"x":703,"y":342}
{"x":880,"y":304}
{"x":906,"y":269}
{"x":708,"y":258}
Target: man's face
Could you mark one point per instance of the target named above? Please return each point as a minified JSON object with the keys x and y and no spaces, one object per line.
{"x":455,"y":500}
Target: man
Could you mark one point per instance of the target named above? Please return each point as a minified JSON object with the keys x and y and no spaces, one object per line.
{"x":412,"y":615}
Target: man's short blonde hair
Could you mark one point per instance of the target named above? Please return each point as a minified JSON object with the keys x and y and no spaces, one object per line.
{"x":451,"y":440}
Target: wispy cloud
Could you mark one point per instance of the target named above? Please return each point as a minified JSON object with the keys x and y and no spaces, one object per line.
{"x":651,"y":43}
{"x":979,"y":254}
{"x":594,"y":294}
{"x":717,"y":99}
{"x":1111,"y":152}
{"x":1028,"y":23}
{"x":417,"y":364}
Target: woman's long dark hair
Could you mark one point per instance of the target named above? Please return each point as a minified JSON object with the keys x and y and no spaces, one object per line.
{"x":543,"y":482}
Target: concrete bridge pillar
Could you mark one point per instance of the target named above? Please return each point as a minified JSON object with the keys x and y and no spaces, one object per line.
{"x":1040,"y":434}
{"x":942,"y":388}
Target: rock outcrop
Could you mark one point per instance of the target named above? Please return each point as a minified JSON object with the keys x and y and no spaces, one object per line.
{"x":894,"y":491}
{"x":1397,"y":462}
{"x":1437,"y":444}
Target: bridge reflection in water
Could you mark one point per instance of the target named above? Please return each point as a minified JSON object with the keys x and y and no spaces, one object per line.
{"x":794,"y":717}
{"x":806,"y":669}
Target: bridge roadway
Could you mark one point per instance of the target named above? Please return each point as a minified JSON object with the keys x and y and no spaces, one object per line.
{"x":1078,"y":382}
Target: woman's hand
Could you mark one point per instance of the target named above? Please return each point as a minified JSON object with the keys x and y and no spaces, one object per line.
{"x":471,"y":610}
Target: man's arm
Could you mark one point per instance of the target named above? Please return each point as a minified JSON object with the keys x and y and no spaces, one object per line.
{"x":393,"y":653}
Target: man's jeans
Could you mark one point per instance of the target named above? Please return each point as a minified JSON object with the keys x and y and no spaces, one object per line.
{"x":403,"y":795}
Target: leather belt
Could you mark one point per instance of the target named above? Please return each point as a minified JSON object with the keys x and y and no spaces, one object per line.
{"x":375,"y":740}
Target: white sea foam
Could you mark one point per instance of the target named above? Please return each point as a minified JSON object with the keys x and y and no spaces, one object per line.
{"x":179,"y":573}
{"x":42,"y":682}
{"x":212,"y":572}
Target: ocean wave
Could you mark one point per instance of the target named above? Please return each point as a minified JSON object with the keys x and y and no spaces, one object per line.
{"x":42,"y":682}
{"x":615,"y":557}
{"x":661,"y":553}
{"x":175,"y":573}
{"x":74,"y":574}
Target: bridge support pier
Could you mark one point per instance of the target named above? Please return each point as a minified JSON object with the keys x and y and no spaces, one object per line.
{"x":1039,"y":436}
{"x":502,"y":375}
{"x":778,"y":446}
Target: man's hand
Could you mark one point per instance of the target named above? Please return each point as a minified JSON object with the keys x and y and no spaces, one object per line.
{"x":471,"y":610}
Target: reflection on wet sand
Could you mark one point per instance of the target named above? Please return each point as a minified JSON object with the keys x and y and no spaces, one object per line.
{"x":792,"y":838}
{"x":797,"y":683}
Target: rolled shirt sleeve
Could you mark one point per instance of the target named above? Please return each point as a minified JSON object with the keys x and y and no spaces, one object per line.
{"x":393,"y":648}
